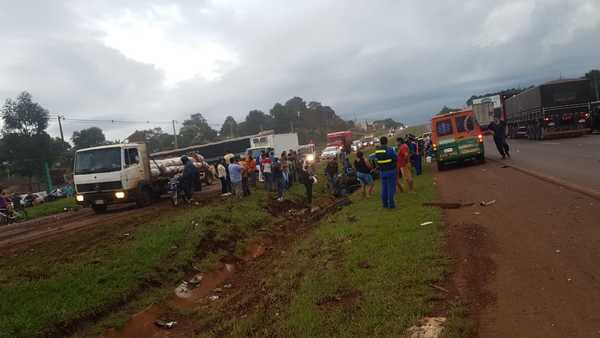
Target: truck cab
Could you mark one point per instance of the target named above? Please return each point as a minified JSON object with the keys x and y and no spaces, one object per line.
{"x":112,"y":174}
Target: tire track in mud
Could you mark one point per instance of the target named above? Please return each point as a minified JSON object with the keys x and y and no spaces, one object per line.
{"x":22,"y":235}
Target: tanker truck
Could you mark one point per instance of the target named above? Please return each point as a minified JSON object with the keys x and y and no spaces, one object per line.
{"x":124,"y":173}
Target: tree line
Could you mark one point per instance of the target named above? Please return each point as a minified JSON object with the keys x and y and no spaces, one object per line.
{"x":26,"y":148}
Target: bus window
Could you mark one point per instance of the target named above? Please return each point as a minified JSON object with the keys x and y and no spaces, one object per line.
{"x":443,"y":127}
{"x":464,"y":123}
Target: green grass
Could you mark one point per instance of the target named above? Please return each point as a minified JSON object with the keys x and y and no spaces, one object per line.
{"x":364,"y":272}
{"x":40,"y":294}
{"x":50,"y":208}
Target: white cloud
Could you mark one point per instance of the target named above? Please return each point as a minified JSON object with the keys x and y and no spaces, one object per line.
{"x":150,"y":37}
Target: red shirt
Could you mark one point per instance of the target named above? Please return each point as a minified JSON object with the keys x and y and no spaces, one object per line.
{"x":402,"y":155}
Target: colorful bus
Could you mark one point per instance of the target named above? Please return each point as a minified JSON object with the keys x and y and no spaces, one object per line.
{"x":456,"y":137}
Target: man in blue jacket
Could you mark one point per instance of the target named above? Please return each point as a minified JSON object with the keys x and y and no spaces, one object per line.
{"x":386,"y":162}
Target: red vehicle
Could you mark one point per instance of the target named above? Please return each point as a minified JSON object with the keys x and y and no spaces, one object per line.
{"x":340,"y":139}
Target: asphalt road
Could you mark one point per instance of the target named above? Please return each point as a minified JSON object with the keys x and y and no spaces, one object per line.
{"x":575,"y":160}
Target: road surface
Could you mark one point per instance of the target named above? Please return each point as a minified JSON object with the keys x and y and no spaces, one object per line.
{"x":575,"y":160}
{"x":528,"y":264}
{"x":23,"y":234}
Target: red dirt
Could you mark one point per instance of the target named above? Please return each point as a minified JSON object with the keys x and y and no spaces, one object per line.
{"x":245,"y":277}
{"x":527,"y":265}
{"x":23,"y":235}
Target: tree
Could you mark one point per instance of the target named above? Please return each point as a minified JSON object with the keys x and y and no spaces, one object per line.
{"x":24,"y":117}
{"x":196,"y":131}
{"x":446,"y":110}
{"x":156,"y":139}
{"x":255,"y":122}
{"x":229,"y":128}
{"x":25,"y":146}
{"x":594,"y":77}
{"x":89,"y":137}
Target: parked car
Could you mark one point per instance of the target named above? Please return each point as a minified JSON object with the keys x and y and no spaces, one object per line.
{"x":55,"y":194}
{"x":330,"y":152}
{"x":32,"y":199}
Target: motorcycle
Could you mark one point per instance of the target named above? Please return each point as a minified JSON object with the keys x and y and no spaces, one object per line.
{"x":176,"y":192}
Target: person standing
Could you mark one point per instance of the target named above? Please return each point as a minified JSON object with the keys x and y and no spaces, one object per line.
{"x":251,"y":167}
{"x":3,"y":201}
{"x":278,"y":179}
{"x":285,"y":169}
{"x":222,"y":174}
{"x":363,"y":172}
{"x":415,"y":154}
{"x":235,"y":176}
{"x":498,"y":128}
{"x":227,"y":157}
{"x":331,"y":172}
{"x":386,"y":162}
{"x":189,"y":177}
{"x":266,"y":168}
{"x":307,"y":178}
{"x":404,"y":165}
{"x":245,"y":163}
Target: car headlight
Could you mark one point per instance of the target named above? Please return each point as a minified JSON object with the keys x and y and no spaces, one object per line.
{"x":79,"y":198}
{"x":310,"y":157}
{"x":120,"y":194}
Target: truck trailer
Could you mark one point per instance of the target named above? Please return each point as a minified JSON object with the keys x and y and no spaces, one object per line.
{"x":270,"y":142}
{"x":555,"y":108}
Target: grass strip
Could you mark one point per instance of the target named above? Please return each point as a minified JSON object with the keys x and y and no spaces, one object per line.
{"x":363,"y":272}
{"x":95,"y":282}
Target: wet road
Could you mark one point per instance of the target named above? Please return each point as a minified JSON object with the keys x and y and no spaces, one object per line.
{"x":575,"y":160}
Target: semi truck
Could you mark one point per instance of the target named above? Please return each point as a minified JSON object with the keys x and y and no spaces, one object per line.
{"x":123,"y":173}
{"x":269,"y":142}
{"x":555,"y":108}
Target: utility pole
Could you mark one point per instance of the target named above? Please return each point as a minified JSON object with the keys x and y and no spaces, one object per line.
{"x":62,"y":136}
{"x":175,"y":135}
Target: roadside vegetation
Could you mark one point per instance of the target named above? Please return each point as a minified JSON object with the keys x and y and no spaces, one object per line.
{"x":49,"y":289}
{"x":364,"y":271}
{"x":50,"y":208}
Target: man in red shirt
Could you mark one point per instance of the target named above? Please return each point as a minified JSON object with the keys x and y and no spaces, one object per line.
{"x":404,"y":164}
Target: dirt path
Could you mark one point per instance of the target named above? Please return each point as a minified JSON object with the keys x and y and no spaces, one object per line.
{"x":528,"y":264}
{"x":23,"y":234}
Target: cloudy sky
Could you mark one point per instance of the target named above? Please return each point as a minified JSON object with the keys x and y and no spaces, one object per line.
{"x":163,"y":60}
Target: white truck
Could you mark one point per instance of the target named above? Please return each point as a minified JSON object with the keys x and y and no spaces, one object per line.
{"x":271,"y":142}
{"x":486,"y":108}
{"x":122,"y":173}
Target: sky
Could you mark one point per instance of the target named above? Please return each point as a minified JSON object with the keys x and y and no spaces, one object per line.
{"x":159,"y":61}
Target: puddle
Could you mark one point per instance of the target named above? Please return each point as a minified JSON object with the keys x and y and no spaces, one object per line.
{"x":141,"y":325}
{"x":209,"y":282}
{"x":187,"y":294}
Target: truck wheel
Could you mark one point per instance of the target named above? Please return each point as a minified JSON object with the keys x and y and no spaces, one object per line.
{"x":144,"y":199}
{"x":441,"y":166}
{"x":481,"y":159}
{"x":542,"y":134}
{"x":99,"y":209}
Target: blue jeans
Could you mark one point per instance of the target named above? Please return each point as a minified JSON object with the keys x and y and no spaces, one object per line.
{"x":281,"y":183}
{"x":268,"y":177}
{"x":388,"y":188}
{"x":417,"y":164}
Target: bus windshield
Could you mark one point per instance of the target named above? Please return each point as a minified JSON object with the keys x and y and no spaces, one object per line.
{"x":98,"y":161}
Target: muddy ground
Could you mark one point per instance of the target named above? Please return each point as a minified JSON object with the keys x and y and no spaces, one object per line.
{"x":23,"y":235}
{"x":527,"y":265}
{"x":237,"y":286}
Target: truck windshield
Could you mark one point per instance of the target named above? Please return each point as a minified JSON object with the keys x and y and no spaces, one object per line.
{"x":98,"y":161}
{"x":443,"y":127}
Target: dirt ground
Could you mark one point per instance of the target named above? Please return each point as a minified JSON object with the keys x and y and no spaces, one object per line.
{"x":527,"y":264}
{"x":25,"y":234}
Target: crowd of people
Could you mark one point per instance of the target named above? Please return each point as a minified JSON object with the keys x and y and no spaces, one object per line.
{"x":239,"y":176}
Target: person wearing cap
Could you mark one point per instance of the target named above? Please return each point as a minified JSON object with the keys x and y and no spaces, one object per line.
{"x":386,"y":162}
